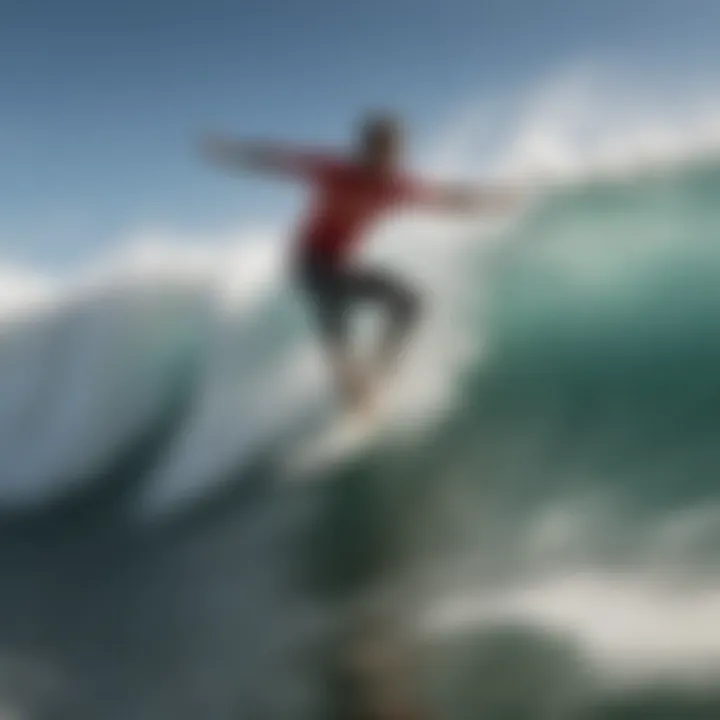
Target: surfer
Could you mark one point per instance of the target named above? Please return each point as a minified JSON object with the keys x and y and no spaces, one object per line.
{"x":352,"y":191}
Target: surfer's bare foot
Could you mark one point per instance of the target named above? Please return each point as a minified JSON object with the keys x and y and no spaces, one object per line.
{"x":361,"y":401}
{"x":366,"y":403}
{"x":353,"y":387}
{"x":361,"y":397}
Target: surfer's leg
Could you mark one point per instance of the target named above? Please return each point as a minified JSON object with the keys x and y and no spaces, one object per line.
{"x":333,"y":320}
{"x":402,"y":304}
{"x":330,"y":300}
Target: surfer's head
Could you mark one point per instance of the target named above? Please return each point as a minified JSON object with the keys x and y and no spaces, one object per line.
{"x":381,"y":140}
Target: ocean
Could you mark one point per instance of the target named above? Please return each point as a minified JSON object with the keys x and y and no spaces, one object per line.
{"x":539,"y":520}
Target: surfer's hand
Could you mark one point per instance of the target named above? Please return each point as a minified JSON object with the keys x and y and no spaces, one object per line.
{"x":498,"y":200}
{"x":504,"y":199}
{"x":483,"y":200}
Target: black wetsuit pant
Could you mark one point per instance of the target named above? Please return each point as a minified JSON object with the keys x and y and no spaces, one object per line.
{"x":334,"y":289}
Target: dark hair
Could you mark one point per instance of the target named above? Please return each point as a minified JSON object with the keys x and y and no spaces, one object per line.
{"x":379,"y":129}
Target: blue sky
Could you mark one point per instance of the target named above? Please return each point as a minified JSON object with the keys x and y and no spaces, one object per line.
{"x":102,"y":102}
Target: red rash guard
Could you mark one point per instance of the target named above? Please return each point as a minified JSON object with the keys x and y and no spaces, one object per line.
{"x":348,"y":199}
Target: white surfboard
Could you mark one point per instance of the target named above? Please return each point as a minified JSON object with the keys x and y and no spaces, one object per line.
{"x":341,"y":440}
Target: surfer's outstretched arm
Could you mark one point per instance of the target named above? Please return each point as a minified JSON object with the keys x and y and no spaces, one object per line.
{"x":466,"y":199}
{"x":264,"y":157}
{"x":484,"y":200}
